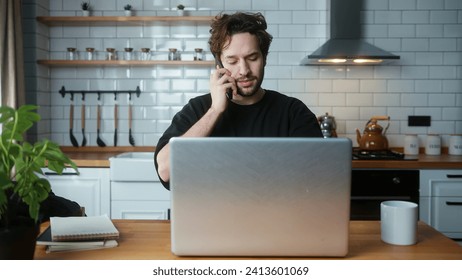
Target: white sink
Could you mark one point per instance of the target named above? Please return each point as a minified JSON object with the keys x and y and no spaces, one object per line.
{"x":133,"y":166}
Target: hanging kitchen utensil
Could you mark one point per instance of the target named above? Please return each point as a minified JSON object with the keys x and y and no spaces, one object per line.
{"x":84,"y":139}
{"x":71,"y":123}
{"x":99,"y":141}
{"x":131,"y":140}
{"x":115,"y":119}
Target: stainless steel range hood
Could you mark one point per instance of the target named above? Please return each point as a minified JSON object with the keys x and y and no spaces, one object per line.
{"x":345,"y":46}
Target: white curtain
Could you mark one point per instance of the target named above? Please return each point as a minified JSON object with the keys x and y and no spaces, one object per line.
{"x":12,"y":92}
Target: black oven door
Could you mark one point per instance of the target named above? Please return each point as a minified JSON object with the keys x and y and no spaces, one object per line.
{"x":369,"y":187}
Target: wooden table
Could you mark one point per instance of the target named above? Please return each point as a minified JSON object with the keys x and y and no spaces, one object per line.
{"x":150,"y":240}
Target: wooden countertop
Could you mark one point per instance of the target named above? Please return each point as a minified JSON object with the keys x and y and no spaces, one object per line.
{"x":99,"y":157}
{"x":150,"y":240}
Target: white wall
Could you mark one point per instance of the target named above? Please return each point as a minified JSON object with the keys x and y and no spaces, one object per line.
{"x":427,"y":34}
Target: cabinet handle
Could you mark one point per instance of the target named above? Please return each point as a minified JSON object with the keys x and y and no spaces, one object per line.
{"x":454,"y":176}
{"x":453,"y":203}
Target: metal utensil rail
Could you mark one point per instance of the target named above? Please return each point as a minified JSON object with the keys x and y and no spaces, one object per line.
{"x":63,"y":92}
{"x":99,"y":141}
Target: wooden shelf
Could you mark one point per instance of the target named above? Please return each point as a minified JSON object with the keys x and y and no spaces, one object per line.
{"x":91,"y":63}
{"x":112,"y":20}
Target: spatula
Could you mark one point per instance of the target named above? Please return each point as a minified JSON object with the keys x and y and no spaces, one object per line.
{"x":99,"y":141}
{"x":71,"y":123}
{"x":84,"y":139}
{"x":131,"y":140}
{"x":115,"y":123}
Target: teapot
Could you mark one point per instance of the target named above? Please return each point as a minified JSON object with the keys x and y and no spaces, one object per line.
{"x":373,"y":137}
{"x":328,"y":125}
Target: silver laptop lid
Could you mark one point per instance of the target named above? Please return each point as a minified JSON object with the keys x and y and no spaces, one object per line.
{"x":260,"y":196}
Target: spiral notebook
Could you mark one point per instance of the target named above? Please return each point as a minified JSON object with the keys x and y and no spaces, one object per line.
{"x":82,"y":228}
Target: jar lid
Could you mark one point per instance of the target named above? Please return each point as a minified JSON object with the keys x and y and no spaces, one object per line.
{"x":128,"y":49}
{"x":110,"y":49}
{"x":198,"y":50}
{"x":145,"y":49}
{"x":90,"y":49}
{"x":172,"y":49}
{"x":71,"y":49}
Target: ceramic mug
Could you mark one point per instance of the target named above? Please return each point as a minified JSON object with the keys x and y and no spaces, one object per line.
{"x":455,"y":144}
{"x":398,"y":222}
{"x":411,"y":144}
{"x":433,"y":145}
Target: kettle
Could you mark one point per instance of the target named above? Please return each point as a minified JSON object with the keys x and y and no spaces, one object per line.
{"x":373,"y":138}
{"x":328,"y":125}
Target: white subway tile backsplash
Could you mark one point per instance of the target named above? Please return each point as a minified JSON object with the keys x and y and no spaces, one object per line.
{"x":429,"y":58}
{"x":318,"y":86}
{"x":428,"y":86}
{"x":453,"y":30}
{"x":430,"y":5}
{"x":306,"y":17}
{"x":373,"y":86}
{"x":414,"y":99}
{"x":262,"y":5}
{"x":359,"y":99}
{"x":452,"y":58}
{"x":401,"y":30}
{"x":419,"y":17}
{"x":452,"y":86}
{"x":429,"y":30}
{"x":443,"y":16}
{"x":388,"y":17}
{"x":402,"y":4}
{"x":414,"y":72}
{"x":443,"y":72}
{"x":387,"y":99}
{"x":425,"y":81}
{"x":346,"y":86}
{"x":443,"y":44}
{"x":332,"y":99}
{"x":415,"y":45}
{"x":400,"y":86}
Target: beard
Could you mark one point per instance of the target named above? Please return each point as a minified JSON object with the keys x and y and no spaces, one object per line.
{"x":252,"y":90}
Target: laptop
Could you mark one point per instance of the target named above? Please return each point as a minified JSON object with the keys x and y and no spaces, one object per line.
{"x":260,"y":196}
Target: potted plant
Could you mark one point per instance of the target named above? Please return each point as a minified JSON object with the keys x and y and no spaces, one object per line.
{"x":85,"y":8}
{"x":22,"y":188}
{"x":180,"y":10}
{"x":128,"y":10}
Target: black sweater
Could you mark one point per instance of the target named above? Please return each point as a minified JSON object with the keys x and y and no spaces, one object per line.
{"x":276,"y":115}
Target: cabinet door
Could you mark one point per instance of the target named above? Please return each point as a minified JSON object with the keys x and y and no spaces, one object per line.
{"x":90,"y":188}
{"x":441,"y":200}
{"x":139,"y":200}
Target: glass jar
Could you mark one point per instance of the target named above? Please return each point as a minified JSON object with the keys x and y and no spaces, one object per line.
{"x":90,"y":53}
{"x":71,"y":54}
{"x":128,"y":54}
{"x":145,"y":54}
{"x":198,"y":55}
{"x":111,"y":54}
{"x":172,"y":54}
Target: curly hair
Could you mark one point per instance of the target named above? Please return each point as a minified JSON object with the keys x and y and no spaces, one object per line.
{"x":224,"y":26}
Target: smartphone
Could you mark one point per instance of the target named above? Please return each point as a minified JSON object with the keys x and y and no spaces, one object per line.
{"x":229,"y":91}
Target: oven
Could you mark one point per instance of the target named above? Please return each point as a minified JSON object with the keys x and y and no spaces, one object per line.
{"x":369,"y":187}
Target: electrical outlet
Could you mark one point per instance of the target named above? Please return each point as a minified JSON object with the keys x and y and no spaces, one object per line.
{"x":419,"y":120}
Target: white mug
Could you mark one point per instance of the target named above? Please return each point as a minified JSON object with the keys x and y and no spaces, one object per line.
{"x":433,"y":145}
{"x":398,"y":222}
{"x":455,"y":144}
{"x":411,"y":144}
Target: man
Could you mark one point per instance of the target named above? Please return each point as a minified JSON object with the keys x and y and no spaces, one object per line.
{"x":241,"y":43}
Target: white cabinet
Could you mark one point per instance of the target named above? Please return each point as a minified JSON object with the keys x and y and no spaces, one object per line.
{"x":90,"y":188}
{"x":136,"y":192}
{"x":441,"y":200}
{"x":139,"y":200}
